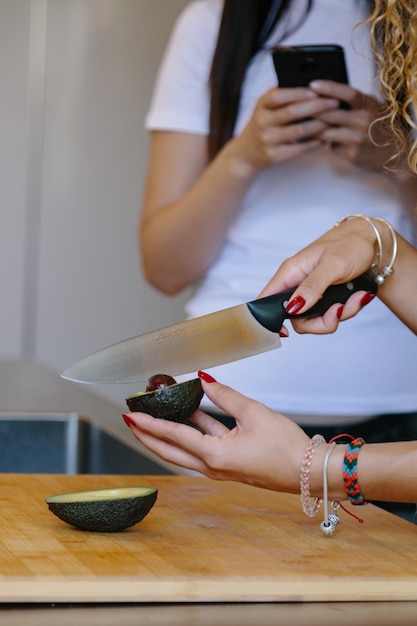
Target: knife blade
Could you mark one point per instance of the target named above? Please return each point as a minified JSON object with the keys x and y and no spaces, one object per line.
{"x":200,"y":343}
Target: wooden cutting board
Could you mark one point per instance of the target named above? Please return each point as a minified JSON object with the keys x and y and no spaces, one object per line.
{"x":204,"y":541}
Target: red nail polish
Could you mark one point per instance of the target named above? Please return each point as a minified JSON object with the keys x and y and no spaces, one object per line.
{"x":339,"y":312}
{"x":367,"y":298}
{"x":128,"y":420}
{"x":206,"y":377}
{"x":295,"y":305}
{"x":283,"y":333}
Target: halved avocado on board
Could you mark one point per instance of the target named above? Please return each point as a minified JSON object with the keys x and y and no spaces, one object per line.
{"x":175,"y":401}
{"x":104,"y":510}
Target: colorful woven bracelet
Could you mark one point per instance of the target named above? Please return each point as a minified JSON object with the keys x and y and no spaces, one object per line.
{"x":350,"y":471}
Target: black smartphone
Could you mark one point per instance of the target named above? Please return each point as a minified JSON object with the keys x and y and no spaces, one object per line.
{"x":297,"y":66}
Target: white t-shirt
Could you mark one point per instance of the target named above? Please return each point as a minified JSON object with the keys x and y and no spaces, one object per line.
{"x":369,"y":366}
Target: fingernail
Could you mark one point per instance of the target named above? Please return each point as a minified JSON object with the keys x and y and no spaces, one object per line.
{"x":339,"y":312}
{"x":128,"y":420}
{"x":367,"y":298}
{"x":295,"y":305}
{"x":206,"y":377}
{"x":283,"y":332}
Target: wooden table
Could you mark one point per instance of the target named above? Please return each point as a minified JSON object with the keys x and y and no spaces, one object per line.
{"x":39,"y":549}
{"x":203,"y":542}
{"x":265,"y":614}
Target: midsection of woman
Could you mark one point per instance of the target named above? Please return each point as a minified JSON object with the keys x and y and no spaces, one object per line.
{"x":366,"y":368}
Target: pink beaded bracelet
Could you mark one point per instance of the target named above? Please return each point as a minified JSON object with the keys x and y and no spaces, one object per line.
{"x":309,"y":508}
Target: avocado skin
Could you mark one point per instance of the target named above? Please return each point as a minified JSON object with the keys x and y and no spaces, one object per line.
{"x":175,"y":403}
{"x":106,"y":516}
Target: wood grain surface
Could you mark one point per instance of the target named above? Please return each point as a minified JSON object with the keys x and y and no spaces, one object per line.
{"x":204,"y":541}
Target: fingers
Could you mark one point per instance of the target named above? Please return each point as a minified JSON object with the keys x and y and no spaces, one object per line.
{"x":337,"y":313}
{"x":284,"y":124}
{"x":230,"y":401}
{"x":171,"y":432}
{"x":173,"y":442}
{"x":169,"y":452}
{"x":311,"y":289}
{"x":343,"y":92}
{"x":277,"y":97}
{"x":209,"y":424}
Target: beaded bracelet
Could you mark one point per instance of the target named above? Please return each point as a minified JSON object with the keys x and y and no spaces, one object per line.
{"x":309,"y":508}
{"x":350,"y":471}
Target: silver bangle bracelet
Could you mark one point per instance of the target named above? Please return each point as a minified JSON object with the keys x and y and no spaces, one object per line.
{"x":388,"y":269}
{"x":380,"y":273}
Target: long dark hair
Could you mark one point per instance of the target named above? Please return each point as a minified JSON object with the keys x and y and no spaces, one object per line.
{"x":256,"y":19}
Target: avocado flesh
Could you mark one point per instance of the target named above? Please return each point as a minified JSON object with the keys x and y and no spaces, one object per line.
{"x":104,"y":510}
{"x":175,"y":402}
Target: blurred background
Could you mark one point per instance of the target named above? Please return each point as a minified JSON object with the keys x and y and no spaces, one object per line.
{"x":76,"y":81}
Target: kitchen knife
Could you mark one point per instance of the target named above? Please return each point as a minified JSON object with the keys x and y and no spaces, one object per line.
{"x":203,"y":342}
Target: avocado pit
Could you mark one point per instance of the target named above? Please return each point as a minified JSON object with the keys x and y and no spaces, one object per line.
{"x":166,"y":399}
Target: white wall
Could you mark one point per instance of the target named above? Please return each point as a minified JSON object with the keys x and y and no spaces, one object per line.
{"x":14,"y":42}
{"x":78,"y":76}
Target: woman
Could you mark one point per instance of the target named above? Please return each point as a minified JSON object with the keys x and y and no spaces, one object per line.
{"x":265,"y":448}
{"x":227,"y":201}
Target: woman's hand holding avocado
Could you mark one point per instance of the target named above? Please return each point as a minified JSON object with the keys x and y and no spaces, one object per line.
{"x":264,"y":449}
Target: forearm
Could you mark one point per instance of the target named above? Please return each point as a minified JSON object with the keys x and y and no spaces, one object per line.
{"x":190,"y":204}
{"x":400,"y":289}
{"x":386,"y":472}
{"x":181,"y":240}
{"x":405,"y":181}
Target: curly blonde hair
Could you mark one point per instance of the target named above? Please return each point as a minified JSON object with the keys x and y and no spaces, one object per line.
{"x":393,"y":29}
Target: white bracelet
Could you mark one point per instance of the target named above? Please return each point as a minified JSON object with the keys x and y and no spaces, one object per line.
{"x":330,"y":521}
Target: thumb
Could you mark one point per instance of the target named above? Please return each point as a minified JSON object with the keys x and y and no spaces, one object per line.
{"x":227,"y":399}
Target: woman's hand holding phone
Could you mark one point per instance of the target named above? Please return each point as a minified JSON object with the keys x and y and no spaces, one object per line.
{"x":322,"y":69}
{"x":352,"y":133}
{"x":285,"y":123}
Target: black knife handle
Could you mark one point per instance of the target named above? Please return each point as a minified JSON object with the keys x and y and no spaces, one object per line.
{"x":270,"y":311}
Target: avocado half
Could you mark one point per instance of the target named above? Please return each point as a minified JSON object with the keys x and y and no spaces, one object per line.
{"x":104,"y":510}
{"x":174,"y":402}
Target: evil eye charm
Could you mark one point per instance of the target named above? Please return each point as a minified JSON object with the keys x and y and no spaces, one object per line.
{"x":334,"y":519}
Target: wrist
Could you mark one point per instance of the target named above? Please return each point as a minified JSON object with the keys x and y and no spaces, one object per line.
{"x":385,"y":238}
{"x":238,"y":165}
